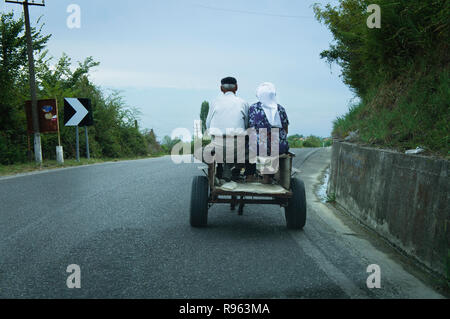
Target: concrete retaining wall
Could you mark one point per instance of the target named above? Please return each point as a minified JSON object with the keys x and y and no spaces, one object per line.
{"x":404,"y":198}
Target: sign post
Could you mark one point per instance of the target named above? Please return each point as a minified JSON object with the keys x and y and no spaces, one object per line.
{"x":78,"y":112}
{"x":77,"y":141}
{"x":48,"y":121}
{"x":88,"y":153}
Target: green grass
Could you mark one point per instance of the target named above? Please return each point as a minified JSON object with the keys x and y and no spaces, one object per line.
{"x":9,"y":170}
{"x":404,"y":114}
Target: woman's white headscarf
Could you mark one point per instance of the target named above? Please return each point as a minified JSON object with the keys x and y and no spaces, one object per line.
{"x":267,"y":95}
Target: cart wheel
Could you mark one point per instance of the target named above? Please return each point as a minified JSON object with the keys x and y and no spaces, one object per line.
{"x":199,"y":202}
{"x":295,"y":212}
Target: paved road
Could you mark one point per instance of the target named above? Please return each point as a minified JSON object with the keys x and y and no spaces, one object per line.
{"x":127,"y":226}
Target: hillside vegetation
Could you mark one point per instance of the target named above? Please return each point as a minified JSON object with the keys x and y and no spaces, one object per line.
{"x":115,"y":134}
{"x":399,"y":72}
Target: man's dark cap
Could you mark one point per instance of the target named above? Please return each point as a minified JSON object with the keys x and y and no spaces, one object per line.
{"x":229,"y":80}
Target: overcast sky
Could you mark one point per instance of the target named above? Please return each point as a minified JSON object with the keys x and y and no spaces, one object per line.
{"x":167,"y":56}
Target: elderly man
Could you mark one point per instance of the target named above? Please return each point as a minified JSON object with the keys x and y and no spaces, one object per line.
{"x":227,"y":121}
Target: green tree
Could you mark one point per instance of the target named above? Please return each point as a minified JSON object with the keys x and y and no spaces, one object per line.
{"x":410,"y":28}
{"x":204,"y":115}
{"x":115,"y":133}
{"x":153,"y":145}
{"x":313,"y":141}
{"x":14,"y":88}
{"x":399,"y":72}
{"x":295,"y":141}
{"x":168,"y":144}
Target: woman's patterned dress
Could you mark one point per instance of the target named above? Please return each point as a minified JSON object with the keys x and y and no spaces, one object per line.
{"x":258,"y":120}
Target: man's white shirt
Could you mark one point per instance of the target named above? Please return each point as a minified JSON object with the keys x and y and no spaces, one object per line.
{"x":228,"y":115}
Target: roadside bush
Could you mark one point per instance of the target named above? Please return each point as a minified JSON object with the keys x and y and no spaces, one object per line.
{"x":115,"y":133}
{"x":400,"y":72}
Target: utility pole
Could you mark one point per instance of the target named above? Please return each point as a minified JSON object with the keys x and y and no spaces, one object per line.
{"x":34,"y":102}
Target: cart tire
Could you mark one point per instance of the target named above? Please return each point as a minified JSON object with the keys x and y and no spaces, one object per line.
{"x":295,"y":212}
{"x":199,"y":202}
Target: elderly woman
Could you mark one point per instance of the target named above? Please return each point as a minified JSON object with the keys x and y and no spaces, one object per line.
{"x":268,"y":114}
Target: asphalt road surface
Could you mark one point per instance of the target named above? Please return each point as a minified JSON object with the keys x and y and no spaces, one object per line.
{"x":126,"y":225}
